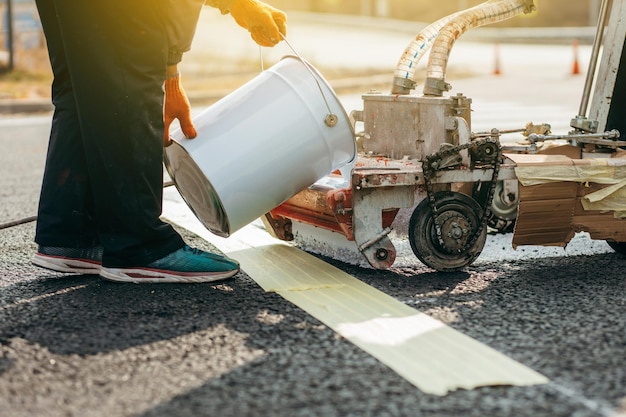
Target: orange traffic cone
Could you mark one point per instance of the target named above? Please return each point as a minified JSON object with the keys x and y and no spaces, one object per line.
{"x":496,"y":69}
{"x":575,"y":66}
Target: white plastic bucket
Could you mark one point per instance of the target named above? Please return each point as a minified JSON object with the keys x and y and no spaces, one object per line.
{"x":260,"y":145}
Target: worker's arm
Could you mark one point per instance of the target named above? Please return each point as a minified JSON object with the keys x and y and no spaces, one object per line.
{"x":176,"y":106}
{"x":182,"y":20}
{"x":265,"y":23}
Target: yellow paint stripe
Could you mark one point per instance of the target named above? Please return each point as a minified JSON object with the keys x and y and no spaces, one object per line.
{"x":432,"y":356}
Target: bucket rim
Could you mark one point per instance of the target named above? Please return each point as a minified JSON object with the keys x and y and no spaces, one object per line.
{"x":223,"y":215}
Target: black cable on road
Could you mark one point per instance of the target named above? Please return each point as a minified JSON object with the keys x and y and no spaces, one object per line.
{"x":33,"y":218}
{"x":18,"y":222}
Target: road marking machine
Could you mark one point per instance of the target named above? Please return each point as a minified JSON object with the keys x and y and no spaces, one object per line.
{"x":418,"y":150}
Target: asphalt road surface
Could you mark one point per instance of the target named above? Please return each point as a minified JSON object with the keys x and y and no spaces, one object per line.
{"x":77,"y":345}
{"x":81,"y":346}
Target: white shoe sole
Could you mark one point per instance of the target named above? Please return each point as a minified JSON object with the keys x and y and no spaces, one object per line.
{"x":146,"y":275}
{"x":60,"y":264}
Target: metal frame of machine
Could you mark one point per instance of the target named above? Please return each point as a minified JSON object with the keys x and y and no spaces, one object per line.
{"x":423,"y":144}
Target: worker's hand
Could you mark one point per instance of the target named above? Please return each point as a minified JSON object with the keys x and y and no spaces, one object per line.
{"x":264,"y":22}
{"x":177,"y":107}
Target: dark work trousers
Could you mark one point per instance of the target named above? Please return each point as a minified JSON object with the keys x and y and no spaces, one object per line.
{"x":103,"y":180}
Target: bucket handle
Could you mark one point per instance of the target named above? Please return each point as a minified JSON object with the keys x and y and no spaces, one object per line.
{"x":331,"y":119}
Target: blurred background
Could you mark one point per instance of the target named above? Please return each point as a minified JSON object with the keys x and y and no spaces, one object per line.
{"x":553,"y":12}
{"x":25,"y":71}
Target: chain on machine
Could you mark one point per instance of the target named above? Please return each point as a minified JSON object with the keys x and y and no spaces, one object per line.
{"x":485,"y":153}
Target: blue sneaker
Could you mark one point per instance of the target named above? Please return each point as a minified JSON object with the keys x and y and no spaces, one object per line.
{"x":69,"y":260}
{"x":186,"y":265}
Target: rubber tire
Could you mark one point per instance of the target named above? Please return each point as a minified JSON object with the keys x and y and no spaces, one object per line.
{"x":423,"y":236}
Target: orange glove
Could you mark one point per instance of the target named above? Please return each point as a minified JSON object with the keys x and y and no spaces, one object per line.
{"x":264,"y":22}
{"x":177,"y":107}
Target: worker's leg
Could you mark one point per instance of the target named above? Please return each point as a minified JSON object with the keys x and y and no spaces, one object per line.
{"x":116,"y":53}
{"x":66,"y":213}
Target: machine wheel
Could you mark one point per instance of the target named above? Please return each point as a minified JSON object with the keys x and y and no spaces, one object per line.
{"x":459,"y":217}
{"x":503,"y":210}
{"x":619,"y":247}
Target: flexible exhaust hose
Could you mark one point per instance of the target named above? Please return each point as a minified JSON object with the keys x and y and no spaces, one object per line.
{"x":405,"y":70}
{"x":491,"y":11}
